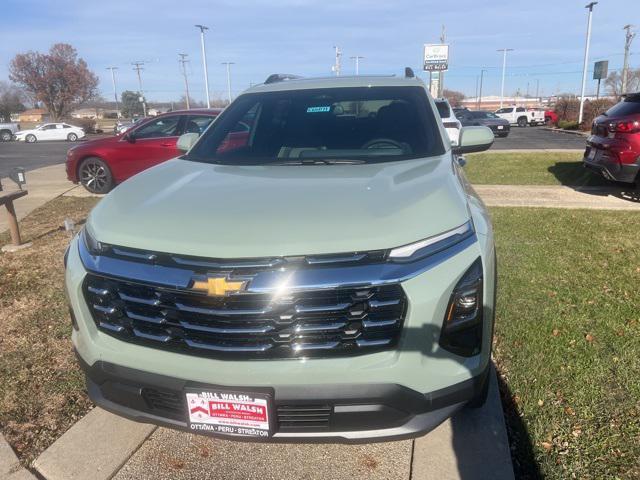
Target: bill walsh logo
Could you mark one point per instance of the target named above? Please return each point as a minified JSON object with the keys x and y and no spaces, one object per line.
{"x":218,"y":286}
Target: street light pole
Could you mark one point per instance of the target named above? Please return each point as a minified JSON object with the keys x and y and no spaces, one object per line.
{"x":586,"y":60}
{"x":357,"y":58}
{"x":183,"y":60}
{"x":115,"y":91}
{"x":480,"y":94}
{"x":338,"y":65}
{"x":228,"y":64}
{"x":204,"y":63}
{"x":504,"y":69}
{"x":625,"y":69}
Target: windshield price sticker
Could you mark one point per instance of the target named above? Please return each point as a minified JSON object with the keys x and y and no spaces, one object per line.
{"x":319,"y":109}
{"x":228,"y":413}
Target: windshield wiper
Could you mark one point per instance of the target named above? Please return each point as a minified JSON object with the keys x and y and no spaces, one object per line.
{"x":319,"y":161}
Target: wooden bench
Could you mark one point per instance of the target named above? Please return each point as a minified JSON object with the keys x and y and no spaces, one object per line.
{"x":6,"y":199}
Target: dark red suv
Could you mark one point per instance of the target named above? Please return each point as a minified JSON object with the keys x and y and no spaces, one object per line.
{"x":101,"y":164}
{"x":613,"y":149}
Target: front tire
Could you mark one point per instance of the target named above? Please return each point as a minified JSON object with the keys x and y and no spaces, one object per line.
{"x":522,"y":122}
{"x":6,"y":136}
{"x":72,"y":137}
{"x":30,"y":138}
{"x":94,"y":175}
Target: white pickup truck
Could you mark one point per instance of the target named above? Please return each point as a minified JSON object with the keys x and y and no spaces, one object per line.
{"x":7,"y":130}
{"x":521,"y":116}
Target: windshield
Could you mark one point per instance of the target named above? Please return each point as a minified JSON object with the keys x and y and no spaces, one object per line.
{"x":367,"y":124}
{"x":629,"y":106}
{"x":443,"y":109}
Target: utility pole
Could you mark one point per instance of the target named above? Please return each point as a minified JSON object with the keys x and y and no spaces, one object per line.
{"x":228,"y":64}
{"x":204,"y":63}
{"x":538,"y":89}
{"x":357,"y":58}
{"x":441,"y":74}
{"x":504,"y":69}
{"x":627,"y":45}
{"x":477,"y":81}
{"x":338,"y":65}
{"x":115,"y":90}
{"x":183,"y":61}
{"x":480,"y":95}
{"x":586,"y":60}
{"x":137,"y":66}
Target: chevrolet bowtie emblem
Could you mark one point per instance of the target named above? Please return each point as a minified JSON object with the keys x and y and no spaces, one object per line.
{"x":219,"y":286}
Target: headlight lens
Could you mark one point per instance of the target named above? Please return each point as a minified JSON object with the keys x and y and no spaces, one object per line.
{"x":431,"y":245}
{"x":93,"y":246}
{"x":462,"y":327}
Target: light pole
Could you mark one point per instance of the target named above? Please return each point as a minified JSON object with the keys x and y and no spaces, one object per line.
{"x":338,"y":65}
{"x":586,"y":60}
{"x":627,"y":45}
{"x":228,"y":64}
{"x":357,"y":58}
{"x":115,"y":91}
{"x":183,"y":61}
{"x":204,"y":63}
{"x":504,"y":69}
{"x":480,"y":94}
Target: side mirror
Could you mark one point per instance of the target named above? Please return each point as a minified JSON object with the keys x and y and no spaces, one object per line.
{"x":129,"y":137}
{"x":474,"y":139}
{"x":186,"y":141}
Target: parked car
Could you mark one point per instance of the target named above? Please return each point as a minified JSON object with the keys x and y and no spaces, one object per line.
{"x":613,"y":148}
{"x":50,"y":131}
{"x":521,"y":116}
{"x":330,"y":279}
{"x":550,"y":117}
{"x":7,"y":130}
{"x":101,"y":164}
{"x":451,"y":123}
{"x":499,"y":126}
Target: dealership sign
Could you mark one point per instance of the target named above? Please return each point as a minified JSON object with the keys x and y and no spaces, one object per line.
{"x":436,"y":58}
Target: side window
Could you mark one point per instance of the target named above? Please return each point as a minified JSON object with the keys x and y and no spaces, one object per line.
{"x":51,"y":126}
{"x":66,"y":126}
{"x":59,"y":126}
{"x":520,"y":109}
{"x":504,"y":110}
{"x":197,"y":124}
{"x":159,"y":128}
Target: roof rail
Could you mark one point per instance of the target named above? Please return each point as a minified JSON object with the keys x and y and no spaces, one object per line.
{"x":280,"y":77}
{"x":408,"y":72}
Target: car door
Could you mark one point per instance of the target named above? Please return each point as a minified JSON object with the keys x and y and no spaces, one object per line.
{"x":145,"y":146}
{"x":59,"y":133}
{"x":46,"y":132}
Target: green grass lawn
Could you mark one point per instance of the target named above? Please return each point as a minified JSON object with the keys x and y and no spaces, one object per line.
{"x":543,"y":168}
{"x":568,"y":340}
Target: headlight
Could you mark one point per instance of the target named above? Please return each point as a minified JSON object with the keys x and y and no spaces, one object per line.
{"x":431,"y":245}
{"x":462,"y":327}
{"x":93,"y":246}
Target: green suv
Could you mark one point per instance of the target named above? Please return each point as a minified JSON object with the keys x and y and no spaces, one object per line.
{"x":314,"y":267}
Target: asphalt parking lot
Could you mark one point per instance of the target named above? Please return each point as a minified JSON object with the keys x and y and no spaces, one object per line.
{"x":538,"y":137}
{"x":42,"y":154}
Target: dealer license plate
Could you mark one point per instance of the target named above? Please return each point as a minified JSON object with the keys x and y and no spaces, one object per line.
{"x":229,"y":413}
{"x":500,"y":127}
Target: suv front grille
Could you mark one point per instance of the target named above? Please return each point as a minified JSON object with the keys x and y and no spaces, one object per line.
{"x":248,"y":325}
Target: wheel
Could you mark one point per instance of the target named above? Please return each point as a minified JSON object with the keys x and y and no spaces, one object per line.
{"x":6,"y":136}
{"x":30,"y":138}
{"x":72,"y":137}
{"x":95,"y":176}
{"x":522,"y":122}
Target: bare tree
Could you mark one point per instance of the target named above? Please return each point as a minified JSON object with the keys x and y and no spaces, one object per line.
{"x":614,"y":82}
{"x":58,"y":79}
{"x":455,"y":98}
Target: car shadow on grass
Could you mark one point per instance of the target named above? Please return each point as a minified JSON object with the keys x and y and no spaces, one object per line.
{"x":574,"y":175}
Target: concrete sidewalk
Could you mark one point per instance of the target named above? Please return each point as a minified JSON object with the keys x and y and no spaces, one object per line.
{"x":558,"y":196}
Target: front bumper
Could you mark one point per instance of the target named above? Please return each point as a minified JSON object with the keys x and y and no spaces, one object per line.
{"x":355,"y":413}
{"x":500,"y":131}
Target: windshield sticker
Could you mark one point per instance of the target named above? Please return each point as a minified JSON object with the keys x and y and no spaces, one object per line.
{"x":319,"y":109}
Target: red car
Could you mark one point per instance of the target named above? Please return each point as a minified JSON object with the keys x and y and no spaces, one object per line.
{"x":550,"y":117}
{"x":613,"y":148}
{"x":101,"y":164}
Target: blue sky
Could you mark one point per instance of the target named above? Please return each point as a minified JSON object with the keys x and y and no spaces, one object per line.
{"x":297,"y":36}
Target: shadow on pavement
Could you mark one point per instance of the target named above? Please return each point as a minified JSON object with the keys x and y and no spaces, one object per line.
{"x":574,"y":175}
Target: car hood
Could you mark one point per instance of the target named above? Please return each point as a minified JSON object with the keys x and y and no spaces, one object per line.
{"x":223,"y":211}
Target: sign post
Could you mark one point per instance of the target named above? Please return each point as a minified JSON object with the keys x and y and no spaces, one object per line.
{"x":600,"y":71}
{"x":435,"y":60}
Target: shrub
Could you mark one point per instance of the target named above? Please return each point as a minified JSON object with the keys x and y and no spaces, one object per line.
{"x":568,"y":125}
{"x":87,"y":124}
{"x":567,"y":110}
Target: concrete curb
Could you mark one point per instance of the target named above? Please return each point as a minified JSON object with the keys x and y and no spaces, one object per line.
{"x":568,"y":132}
{"x":10,"y":468}
{"x":95,"y":448}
